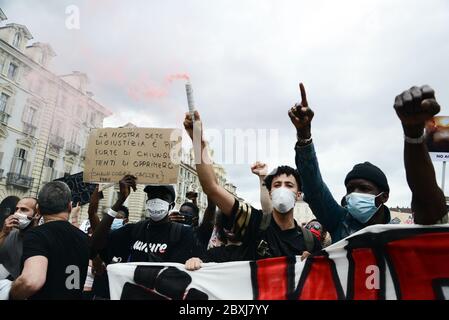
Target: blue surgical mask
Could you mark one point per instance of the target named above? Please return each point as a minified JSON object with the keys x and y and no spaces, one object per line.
{"x":117,"y":224}
{"x":362,"y":206}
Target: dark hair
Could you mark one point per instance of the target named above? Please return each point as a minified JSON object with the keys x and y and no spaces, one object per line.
{"x":289,"y":171}
{"x":195,"y":209}
{"x":54,"y":197}
{"x":124,"y":210}
{"x":7,"y":207}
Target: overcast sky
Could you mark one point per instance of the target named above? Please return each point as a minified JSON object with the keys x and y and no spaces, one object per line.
{"x":245,"y":59}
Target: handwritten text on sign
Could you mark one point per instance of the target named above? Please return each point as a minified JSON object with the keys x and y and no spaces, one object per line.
{"x":152,"y":155}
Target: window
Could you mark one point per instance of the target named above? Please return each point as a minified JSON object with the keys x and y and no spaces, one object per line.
{"x":29,"y":115}
{"x":50,"y":172}
{"x":21,"y":161}
{"x":16,"y":40}
{"x":74,"y":135}
{"x":57,"y":128}
{"x":12,"y":71}
{"x":39,"y":86}
{"x":3,"y":102}
{"x":50,"y":163}
{"x":93,"y":118}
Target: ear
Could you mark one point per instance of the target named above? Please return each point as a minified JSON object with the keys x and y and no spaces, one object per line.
{"x":298,"y":195}
{"x":38,"y":210}
{"x":69,"y":208}
{"x":384,"y":197}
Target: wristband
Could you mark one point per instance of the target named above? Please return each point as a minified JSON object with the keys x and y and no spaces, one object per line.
{"x":415,"y":140}
{"x":304,"y":142}
{"x":112,"y":213}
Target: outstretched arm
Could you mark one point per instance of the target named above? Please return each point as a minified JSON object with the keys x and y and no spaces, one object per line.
{"x":261,"y":170}
{"x":206,"y":175}
{"x":316,"y":193}
{"x":414,"y":107}
{"x":100,"y":236}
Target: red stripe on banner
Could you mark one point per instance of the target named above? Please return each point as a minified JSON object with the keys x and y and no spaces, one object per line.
{"x":272,"y":279}
{"x":417,"y":262}
{"x":319,"y":284}
{"x":365,"y":277}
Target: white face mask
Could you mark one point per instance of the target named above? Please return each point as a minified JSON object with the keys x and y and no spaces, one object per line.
{"x":156,"y":209}
{"x":23,"y":220}
{"x":283,"y":199}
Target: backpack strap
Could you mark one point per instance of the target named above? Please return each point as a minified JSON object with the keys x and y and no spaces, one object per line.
{"x":265,"y":223}
{"x":308,"y":239}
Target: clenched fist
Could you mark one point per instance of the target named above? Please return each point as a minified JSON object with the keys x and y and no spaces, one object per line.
{"x":414,"y":107}
{"x":260,"y":169}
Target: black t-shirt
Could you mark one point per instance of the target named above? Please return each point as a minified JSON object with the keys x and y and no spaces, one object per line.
{"x":245,"y":222}
{"x":145,"y":242}
{"x":67,"y":250}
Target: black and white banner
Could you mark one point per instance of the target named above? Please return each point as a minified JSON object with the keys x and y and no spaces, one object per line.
{"x":380,"y":262}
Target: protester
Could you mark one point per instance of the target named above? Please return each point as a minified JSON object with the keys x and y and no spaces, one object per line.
{"x":7,"y":206}
{"x":277,"y":235}
{"x":15,"y":227}
{"x":188,"y":214}
{"x":414,"y":107}
{"x":366,"y":185}
{"x":121,"y":219}
{"x":55,"y":254}
{"x":156,"y":239}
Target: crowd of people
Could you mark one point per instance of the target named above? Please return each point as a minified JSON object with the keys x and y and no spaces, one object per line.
{"x":45,"y":254}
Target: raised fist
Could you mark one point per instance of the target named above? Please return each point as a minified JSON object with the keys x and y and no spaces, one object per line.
{"x":259,"y":169}
{"x":414,"y":107}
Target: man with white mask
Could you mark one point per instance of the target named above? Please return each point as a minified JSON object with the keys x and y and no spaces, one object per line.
{"x":262,"y":235}
{"x":155,"y":239}
{"x":24,"y":218}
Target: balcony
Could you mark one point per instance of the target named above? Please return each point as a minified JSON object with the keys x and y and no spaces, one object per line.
{"x":57,"y":142}
{"x":29,"y":129}
{"x":72,"y":148}
{"x":4,"y":118}
{"x":18,"y":180}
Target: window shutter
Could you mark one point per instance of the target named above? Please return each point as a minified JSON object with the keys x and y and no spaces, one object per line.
{"x":14,"y":160}
{"x":27,"y":169}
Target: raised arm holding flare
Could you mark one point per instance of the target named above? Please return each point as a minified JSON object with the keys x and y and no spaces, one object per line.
{"x":262,"y":235}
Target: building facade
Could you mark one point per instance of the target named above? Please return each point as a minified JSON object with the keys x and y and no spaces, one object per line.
{"x":44,"y":118}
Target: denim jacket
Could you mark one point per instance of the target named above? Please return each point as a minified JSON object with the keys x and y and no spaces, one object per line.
{"x":335,"y":218}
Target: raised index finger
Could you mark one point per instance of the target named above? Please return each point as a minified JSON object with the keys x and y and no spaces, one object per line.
{"x":304,"y":102}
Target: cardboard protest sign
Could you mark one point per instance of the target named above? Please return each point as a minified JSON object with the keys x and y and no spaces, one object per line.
{"x":81,"y":191}
{"x":152,"y":155}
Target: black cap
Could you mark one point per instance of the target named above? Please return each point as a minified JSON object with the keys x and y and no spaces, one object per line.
{"x":369,"y":172}
{"x":163,"y":187}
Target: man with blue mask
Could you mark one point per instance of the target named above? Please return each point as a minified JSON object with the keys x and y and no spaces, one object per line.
{"x":120,"y":219}
{"x":155,"y":239}
{"x":366,"y":185}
